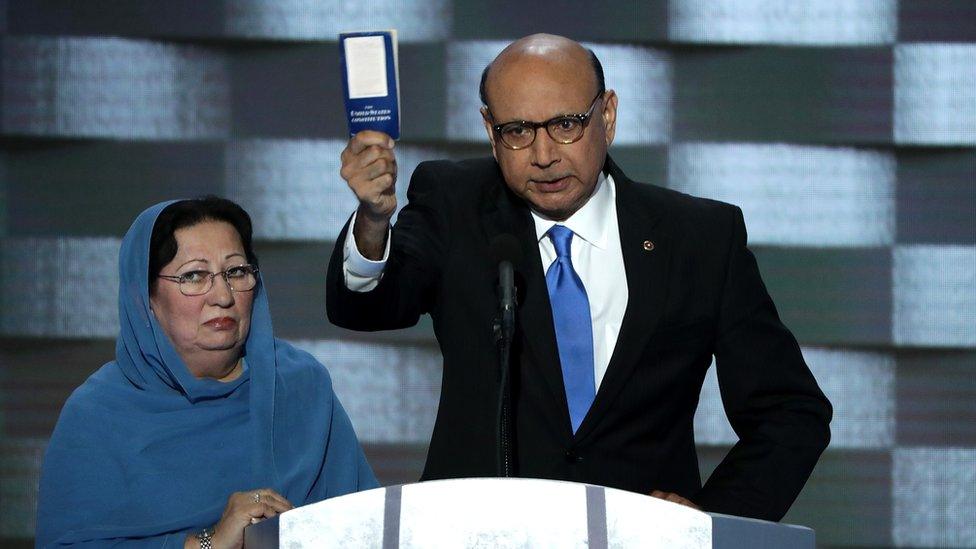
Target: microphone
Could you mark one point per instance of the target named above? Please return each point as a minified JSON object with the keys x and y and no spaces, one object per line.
{"x":505,"y":251}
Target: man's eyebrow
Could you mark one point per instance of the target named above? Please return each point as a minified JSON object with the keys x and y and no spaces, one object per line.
{"x":228,"y":256}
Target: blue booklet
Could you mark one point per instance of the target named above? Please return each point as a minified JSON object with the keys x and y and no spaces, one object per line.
{"x":371,"y":81}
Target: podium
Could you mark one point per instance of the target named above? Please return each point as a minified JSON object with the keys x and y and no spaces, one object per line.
{"x":513,"y":512}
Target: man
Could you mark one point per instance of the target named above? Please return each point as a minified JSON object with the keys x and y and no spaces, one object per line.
{"x":626,"y":291}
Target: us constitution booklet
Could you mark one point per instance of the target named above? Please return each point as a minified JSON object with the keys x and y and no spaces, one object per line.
{"x":371,"y":81}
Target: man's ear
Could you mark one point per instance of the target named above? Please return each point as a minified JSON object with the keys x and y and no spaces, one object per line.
{"x":486,"y":118}
{"x":609,"y":115}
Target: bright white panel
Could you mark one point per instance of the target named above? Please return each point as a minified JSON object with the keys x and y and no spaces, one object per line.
{"x":292,"y":188}
{"x":934,"y":301}
{"x":634,"y":520}
{"x":793,"y":195}
{"x":642,"y":78}
{"x":390,"y":391}
{"x":59,"y":287}
{"x":814,"y":22}
{"x":352,"y":520}
{"x":711,"y":424}
{"x":112,"y":87}
{"x":465,"y":61}
{"x":415,"y":20}
{"x":860,"y":385}
{"x":934,"y":497}
{"x":935,"y":98}
{"x":525,"y":513}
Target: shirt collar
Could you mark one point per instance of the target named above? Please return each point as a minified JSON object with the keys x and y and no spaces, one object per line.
{"x":589,"y":222}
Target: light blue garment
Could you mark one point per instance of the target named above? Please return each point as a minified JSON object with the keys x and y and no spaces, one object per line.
{"x":573,"y":325}
{"x":144,"y":452}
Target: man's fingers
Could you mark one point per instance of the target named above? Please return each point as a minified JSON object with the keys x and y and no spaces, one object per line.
{"x":355,"y":163}
{"x":380,"y":167}
{"x":366,"y":156}
{"x":369,"y":167}
{"x":669,"y":496}
{"x":382,"y":184}
{"x":689,"y":503}
{"x":373,"y":154}
{"x":367,"y":138}
{"x":370,"y":189}
{"x":674,"y":498}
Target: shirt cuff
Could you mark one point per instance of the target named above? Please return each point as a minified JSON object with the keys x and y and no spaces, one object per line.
{"x":362,"y":274}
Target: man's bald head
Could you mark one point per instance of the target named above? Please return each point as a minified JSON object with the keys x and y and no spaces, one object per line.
{"x":536,"y":86}
{"x":550,"y":46}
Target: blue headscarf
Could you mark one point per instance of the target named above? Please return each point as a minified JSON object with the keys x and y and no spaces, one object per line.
{"x":144,"y":452}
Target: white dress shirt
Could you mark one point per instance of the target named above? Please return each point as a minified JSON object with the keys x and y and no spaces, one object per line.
{"x":595,"y":252}
{"x":362,"y":275}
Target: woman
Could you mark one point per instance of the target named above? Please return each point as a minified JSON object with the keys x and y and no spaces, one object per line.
{"x":204,"y":423}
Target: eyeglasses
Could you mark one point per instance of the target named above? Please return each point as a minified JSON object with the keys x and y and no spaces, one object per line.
{"x":564,"y":129}
{"x":241,"y":278}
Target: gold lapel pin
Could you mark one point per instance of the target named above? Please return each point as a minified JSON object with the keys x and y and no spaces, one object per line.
{"x":648,"y":245}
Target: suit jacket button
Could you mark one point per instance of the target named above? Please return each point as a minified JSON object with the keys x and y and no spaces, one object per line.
{"x":573,"y":457}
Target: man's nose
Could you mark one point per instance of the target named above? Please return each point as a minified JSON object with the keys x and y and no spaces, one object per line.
{"x":545,"y":151}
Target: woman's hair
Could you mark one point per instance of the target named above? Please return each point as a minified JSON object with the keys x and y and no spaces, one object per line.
{"x":187,"y":213}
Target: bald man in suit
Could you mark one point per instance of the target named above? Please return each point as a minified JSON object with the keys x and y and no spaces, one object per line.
{"x":627,"y":291}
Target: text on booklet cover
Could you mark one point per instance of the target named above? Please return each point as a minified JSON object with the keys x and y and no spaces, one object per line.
{"x":371,"y":81}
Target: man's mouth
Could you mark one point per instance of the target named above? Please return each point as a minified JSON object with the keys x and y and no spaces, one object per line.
{"x":551,"y":185}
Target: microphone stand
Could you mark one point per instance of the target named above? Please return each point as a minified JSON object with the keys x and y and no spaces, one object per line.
{"x":504,"y":330}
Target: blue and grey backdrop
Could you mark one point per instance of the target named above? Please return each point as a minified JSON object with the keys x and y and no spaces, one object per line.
{"x":845,"y":129}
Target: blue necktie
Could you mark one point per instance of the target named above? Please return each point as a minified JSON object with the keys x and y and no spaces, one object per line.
{"x":574,"y":330}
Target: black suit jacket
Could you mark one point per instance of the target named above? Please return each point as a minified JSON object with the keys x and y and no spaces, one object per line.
{"x":698,"y":292}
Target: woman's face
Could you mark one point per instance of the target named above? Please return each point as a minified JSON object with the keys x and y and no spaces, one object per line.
{"x":206,"y":326}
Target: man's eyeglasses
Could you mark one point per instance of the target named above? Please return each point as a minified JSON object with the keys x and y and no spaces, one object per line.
{"x":242,"y":278}
{"x":564,"y":129}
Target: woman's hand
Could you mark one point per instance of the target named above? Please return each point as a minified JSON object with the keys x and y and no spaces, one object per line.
{"x":243,"y":509}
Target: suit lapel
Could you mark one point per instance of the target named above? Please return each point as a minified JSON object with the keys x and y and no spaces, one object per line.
{"x":507,"y":214}
{"x":647,"y":282}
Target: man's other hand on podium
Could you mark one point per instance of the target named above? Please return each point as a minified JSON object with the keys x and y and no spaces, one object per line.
{"x":674,"y":498}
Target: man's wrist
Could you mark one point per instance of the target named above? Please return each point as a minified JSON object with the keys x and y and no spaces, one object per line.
{"x":370,"y":232}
